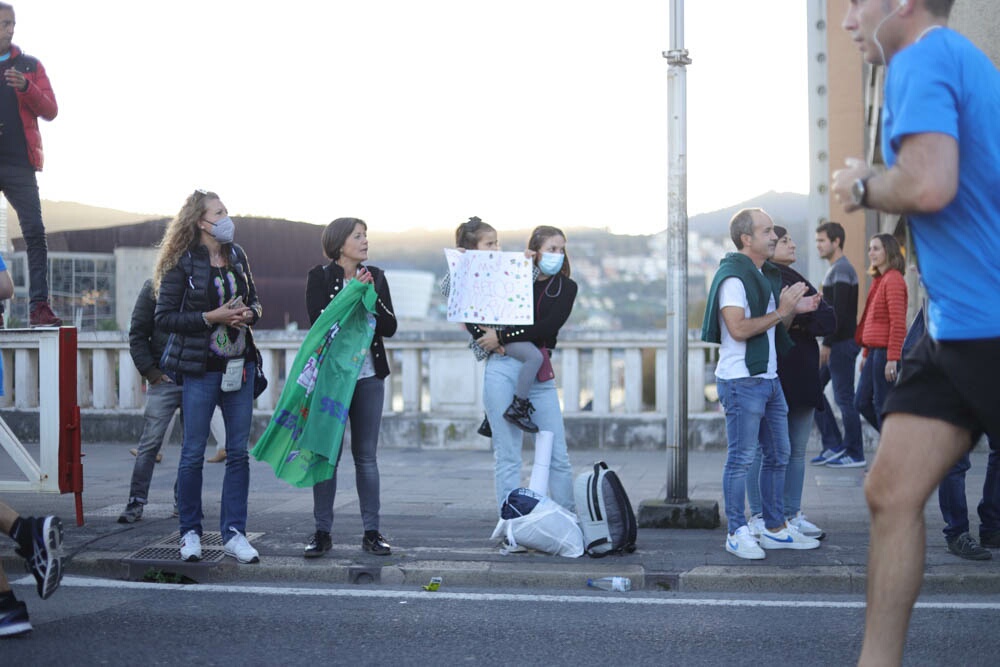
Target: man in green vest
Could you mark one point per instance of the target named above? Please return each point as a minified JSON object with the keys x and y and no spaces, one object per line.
{"x":747,"y":314}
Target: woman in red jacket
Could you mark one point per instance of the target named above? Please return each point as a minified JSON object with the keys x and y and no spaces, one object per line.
{"x":882,"y":328}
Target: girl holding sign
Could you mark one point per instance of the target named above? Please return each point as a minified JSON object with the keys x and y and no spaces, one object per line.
{"x":478,"y":235}
{"x":554,"y":295}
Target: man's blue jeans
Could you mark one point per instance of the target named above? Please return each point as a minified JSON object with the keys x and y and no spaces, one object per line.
{"x":872,"y":387}
{"x":756,"y":412}
{"x":954,"y":507}
{"x":201,"y":394}
{"x":20,"y":186}
{"x":840,"y":370}
{"x":800,"y":423}
{"x":365,"y":417}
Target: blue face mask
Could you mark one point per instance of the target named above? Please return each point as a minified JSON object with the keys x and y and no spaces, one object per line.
{"x":223,"y":229}
{"x":550,"y":263}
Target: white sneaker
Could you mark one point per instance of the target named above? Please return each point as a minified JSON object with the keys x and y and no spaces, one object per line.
{"x":788,"y":537}
{"x":806,"y":527}
{"x":743,"y":545}
{"x":847,"y":462}
{"x":507,"y":548}
{"x":191,"y":547}
{"x":239,"y":548}
{"x":756,"y":525}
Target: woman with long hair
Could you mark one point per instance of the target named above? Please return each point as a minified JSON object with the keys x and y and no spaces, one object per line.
{"x":345,"y":243}
{"x":882,"y":328}
{"x":207,"y":301}
{"x":554,"y":294}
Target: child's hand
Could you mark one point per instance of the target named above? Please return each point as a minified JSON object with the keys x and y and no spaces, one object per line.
{"x":460,"y":249}
{"x":529,"y":254}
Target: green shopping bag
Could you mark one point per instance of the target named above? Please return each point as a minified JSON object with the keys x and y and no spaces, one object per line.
{"x":302,"y":441}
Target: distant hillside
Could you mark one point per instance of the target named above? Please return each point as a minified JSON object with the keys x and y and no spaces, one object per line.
{"x":788,"y":209}
{"x":68,"y":216}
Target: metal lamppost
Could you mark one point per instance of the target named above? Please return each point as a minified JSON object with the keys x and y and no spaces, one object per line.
{"x":676,"y":510}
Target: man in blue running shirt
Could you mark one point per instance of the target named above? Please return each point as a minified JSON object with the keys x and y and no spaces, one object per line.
{"x":942,"y":150}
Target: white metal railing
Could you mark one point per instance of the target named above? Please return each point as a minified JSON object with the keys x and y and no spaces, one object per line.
{"x":602,"y":373}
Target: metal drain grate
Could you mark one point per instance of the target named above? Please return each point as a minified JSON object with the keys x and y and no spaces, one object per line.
{"x":167,"y":549}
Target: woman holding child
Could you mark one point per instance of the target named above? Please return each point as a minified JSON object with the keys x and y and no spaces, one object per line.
{"x":554,"y":293}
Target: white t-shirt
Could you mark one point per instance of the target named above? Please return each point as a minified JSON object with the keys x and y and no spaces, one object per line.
{"x":732,"y":354}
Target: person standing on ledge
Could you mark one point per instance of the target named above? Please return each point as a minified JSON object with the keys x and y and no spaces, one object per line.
{"x":25,"y":96}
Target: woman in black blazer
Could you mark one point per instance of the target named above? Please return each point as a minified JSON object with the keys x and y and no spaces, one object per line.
{"x":345,"y":242}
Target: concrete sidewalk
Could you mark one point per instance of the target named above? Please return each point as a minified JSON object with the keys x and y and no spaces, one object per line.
{"x":437,"y":511}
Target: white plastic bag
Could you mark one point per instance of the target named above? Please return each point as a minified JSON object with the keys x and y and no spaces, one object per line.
{"x":549,"y":528}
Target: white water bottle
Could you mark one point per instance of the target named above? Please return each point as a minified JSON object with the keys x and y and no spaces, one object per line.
{"x":620,"y":584}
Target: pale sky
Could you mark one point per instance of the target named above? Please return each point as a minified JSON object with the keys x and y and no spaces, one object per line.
{"x":418,"y":114}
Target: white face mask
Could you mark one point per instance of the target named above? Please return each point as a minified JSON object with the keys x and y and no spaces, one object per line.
{"x":223,"y":229}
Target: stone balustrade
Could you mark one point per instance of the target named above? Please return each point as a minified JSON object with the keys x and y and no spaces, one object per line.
{"x":613,"y":385}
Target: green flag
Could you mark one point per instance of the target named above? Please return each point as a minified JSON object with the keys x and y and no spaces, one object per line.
{"x":302,"y":441}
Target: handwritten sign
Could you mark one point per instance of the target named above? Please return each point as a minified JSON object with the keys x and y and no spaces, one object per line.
{"x":489,"y":287}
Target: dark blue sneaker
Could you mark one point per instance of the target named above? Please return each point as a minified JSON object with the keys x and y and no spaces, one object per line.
{"x":827,"y":456}
{"x":14,"y":618}
{"x":45,"y":559}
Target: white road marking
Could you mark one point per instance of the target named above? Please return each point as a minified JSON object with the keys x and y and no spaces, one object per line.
{"x":632,"y":599}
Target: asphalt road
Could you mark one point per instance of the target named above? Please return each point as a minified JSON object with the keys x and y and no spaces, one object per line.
{"x":106,"y":622}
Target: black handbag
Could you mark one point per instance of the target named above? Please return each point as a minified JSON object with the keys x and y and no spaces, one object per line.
{"x":259,"y":379}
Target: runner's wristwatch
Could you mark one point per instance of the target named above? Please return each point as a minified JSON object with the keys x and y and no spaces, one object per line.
{"x":859,"y":192}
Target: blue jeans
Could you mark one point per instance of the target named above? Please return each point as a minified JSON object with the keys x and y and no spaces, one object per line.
{"x":162,"y":401}
{"x":365,"y":415}
{"x":872,"y":387}
{"x":800,"y":423}
{"x":951,"y":498}
{"x":756,"y":414}
{"x":840,"y":370}
{"x":20,"y":186}
{"x":201,"y":394}
{"x":989,"y":506}
{"x":498,"y":388}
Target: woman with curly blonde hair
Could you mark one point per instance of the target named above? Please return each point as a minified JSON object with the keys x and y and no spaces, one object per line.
{"x":180,"y":234}
{"x":207,"y":302}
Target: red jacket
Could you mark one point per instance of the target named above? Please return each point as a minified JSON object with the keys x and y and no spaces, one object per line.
{"x":37,"y":100}
{"x":883,"y":324}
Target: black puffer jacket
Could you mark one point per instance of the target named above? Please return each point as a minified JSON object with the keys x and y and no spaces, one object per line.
{"x":324,"y":283}
{"x":145,"y":342}
{"x":190,"y":283}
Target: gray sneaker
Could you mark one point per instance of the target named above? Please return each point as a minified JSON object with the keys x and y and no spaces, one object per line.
{"x":965,"y":546}
{"x":132,"y":513}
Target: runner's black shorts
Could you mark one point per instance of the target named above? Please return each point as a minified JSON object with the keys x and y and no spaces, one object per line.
{"x":957,"y":381}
